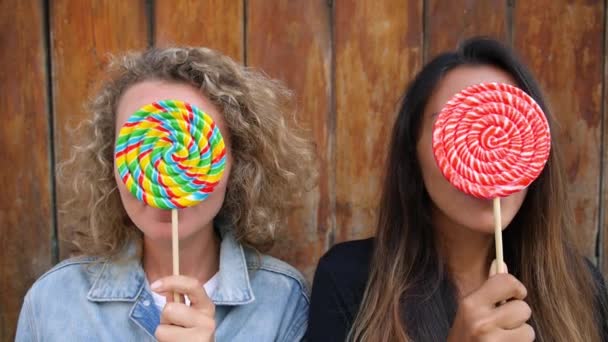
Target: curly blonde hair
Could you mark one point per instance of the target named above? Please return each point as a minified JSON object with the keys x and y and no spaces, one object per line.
{"x":272,"y":161}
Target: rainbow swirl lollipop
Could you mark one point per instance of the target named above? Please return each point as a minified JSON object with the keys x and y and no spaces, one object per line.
{"x":491,"y":140}
{"x":170,"y":154}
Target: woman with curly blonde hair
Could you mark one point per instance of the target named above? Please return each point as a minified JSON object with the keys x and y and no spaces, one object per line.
{"x":115,"y":290}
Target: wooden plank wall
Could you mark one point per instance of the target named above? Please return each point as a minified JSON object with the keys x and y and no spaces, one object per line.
{"x":26,"y":215}
{"x":83,"y":34}
{"x":560,"y":55}
{"x":348,"y":62}
{"x":296,"y":35}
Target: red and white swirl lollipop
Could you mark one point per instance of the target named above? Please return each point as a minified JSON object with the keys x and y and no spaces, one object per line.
{"x":491,"y":140}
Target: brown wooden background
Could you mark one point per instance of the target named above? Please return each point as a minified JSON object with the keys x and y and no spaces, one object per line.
{"x":347,"y":60}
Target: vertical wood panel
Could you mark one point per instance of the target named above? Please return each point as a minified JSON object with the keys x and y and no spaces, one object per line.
{"x":450,"y":21}
{"x":291,"y":40}
{"x":216,"y":24}
{"x":603,"y":250}
{"x":378,"y":47}
{"x":83,"y":35}
{"x":562,"y":42}
{"x":25,"y":207}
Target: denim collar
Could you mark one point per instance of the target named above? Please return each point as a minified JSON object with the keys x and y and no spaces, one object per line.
{"x":124,"y":279}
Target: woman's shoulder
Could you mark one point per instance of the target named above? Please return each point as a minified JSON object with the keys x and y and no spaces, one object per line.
{"x":601,"y":299}
{"x":344,"y":270}
{"x":283,"y":277}
{"x":339,"y":285}
{"x":348,"y":258}
{"x":73,"y":271}
{"x":599,"y":283}
{"x":63,"y":285}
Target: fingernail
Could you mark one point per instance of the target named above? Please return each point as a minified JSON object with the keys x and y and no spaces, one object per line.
{"x":156,"y":285}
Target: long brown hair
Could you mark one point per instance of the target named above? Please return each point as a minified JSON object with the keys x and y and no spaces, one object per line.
{"x":409,"y":294}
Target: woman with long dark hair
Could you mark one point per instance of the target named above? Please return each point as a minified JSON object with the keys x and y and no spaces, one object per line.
{"x":424,"y":277}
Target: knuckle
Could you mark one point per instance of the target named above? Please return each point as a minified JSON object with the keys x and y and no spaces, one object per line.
{"x":529,"y":332}
{"x":206,"y":324}
{"x":169,"y":308}
{"x":481,"y":327}
{"x":467,"y":305}
{"x":164,"y":316}
{"x":515,"y":284}
{"x":193,"y":285}
{"x":523,"y":291}
{"x":210,"y":324}
{"x":160,"y":333}
{"x":510,"y":280}
{"x":526,"y":310}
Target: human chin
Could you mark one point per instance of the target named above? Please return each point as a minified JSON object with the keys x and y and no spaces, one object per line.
{"x":469,"y":212}
{"x":480,"y":220}
{"x":478,"y":214}
{"x":156,"y":223}
{"x":156,"y":231}
{"x":153,"y":223}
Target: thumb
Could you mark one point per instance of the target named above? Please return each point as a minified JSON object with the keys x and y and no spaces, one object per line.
{"x":494,"y":268}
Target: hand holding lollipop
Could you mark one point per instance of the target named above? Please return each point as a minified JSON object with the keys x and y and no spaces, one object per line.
{"x":491,"y":140}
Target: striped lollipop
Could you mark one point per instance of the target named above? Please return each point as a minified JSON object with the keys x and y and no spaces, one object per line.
{"x":170,"y":154}
{"x":491,"y":140}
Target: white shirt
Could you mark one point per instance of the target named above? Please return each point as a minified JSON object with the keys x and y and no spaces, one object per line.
{"x":210,"y":287}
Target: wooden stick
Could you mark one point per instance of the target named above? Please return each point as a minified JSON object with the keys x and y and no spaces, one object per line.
{"x":498,"y":236}
{"x":175,"y":249}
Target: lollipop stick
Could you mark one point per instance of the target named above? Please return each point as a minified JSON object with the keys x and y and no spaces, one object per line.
{"x":498,"y":236}
{"x":175,"y":248}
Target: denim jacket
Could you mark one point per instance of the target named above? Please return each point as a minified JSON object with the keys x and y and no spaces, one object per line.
{"x":258,"y":298}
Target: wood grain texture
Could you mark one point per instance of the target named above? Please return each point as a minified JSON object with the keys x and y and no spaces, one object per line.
{"x":378,"y":48}
{"x":603,"y":250}
{"x":451,"y":21}
{"x":26,"y":206}
{"x":216,"y":24}
{"x":562,"y":43}
{"x":291,"y":41}
{"x":84,"y":34}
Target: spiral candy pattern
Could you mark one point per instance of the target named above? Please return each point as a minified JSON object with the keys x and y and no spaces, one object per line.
{"x":170,"y":154}
{"x":491,"y":140}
